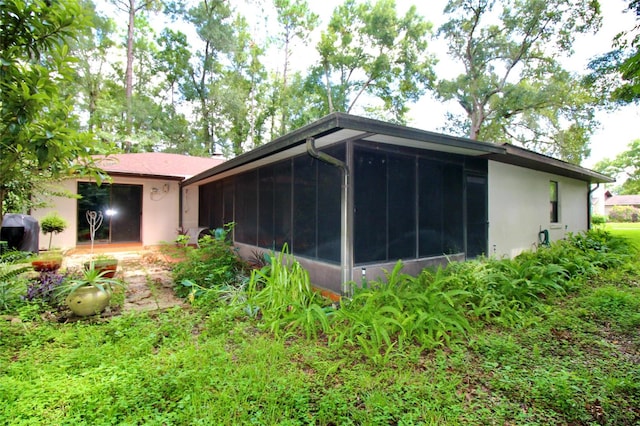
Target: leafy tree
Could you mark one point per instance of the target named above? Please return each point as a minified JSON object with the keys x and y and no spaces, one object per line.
{"x":296,"y":23}
{"x":513,"y":87}
{"x":38,"y":139}
{"x":242,"y":87}
{"x":617,"y":73}
{"x":626,"y":167}
{"x":92,"y":48}
{"x":368,"y":50}
{"x":213,"y":24}
{"x":132,"y":8}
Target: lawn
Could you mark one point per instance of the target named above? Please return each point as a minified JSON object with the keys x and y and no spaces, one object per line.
{"x":571,"y":357}
{"x":628,"y":230}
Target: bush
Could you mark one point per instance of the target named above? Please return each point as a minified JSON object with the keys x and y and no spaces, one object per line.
{"x":624,"y":214}
{"x":598,"y":219}
{"x":213,"y":265}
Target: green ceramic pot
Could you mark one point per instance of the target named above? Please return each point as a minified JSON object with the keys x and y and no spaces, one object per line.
{"x":88,"y":300}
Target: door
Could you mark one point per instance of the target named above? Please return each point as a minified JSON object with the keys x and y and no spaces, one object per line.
{"x":120,"y":208}
{"x":476,"y":212}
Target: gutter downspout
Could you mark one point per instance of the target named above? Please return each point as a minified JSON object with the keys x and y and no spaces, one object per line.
{"x":591,"y":191}
{"x":345,"y":242}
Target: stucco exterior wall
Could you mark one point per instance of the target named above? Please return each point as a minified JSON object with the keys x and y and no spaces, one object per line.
{"x":160,"y":212}
{"x":190,"y":206}
{"x":519,"y":208}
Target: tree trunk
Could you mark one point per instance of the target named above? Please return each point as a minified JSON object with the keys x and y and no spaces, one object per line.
{"x":129,"y":70}
{"x":326,"y":75}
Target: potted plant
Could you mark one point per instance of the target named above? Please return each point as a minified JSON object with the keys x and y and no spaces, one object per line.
{"x":103,"y":263}
{"x":52,"y":224}
{"x":47,"y":262}
{"x":90,"y":293}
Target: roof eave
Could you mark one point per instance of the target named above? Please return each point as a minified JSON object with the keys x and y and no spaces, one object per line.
{"x":522,"y":157}
{"x":338,"y":121}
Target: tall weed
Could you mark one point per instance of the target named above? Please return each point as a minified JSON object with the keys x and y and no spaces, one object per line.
{"x":282,"y":295}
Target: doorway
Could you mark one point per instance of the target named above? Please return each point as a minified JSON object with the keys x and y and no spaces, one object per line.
{"x":121,"y":209}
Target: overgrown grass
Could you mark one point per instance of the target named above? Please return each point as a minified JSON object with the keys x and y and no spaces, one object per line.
{"x":554,"y":345}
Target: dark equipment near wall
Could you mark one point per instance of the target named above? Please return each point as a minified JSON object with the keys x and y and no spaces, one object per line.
{"x":21,"y":232}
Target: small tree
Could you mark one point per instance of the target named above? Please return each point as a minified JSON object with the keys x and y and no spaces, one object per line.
{"x":52,"y":224}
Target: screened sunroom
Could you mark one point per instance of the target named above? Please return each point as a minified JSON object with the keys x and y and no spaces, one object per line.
{"x":349,"y":197}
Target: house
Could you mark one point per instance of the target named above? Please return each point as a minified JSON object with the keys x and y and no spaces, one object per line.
{"x":349,"y":196}
{"x":620,"y":200}
{"x":139,"y":206}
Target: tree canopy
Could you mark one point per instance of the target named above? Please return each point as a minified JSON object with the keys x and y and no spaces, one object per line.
{"x":209,"y":77}
{"x":38,"y":137}
{"x":625,"y":167}
{"x":513,"y":87}
{"x":617,"y":72}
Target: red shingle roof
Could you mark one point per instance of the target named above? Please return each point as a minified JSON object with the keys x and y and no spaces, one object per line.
{"x":157,"y":164}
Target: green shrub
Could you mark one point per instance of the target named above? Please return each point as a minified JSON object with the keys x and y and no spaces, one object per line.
{"x":214,"y":265}
{"x":598,"y":219}
{"x":624,"y":214}
{"x":12,"y":279}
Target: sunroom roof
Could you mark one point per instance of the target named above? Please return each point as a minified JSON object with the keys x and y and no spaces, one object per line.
{"x":340,"y":127}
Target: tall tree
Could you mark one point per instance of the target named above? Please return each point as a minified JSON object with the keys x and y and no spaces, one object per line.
{"x":37,"y":136}
{"x":513,"y":87}
{"x":296,"y":24}
{"x":212,"y":20}
{"x":368,"y":50}
{"x":131,"y":8}
{"x":617,"y":73}
{"x":92,"y":49}
{"x":625,"y":167}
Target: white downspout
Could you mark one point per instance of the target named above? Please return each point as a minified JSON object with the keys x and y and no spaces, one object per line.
{"x":345,"y":241}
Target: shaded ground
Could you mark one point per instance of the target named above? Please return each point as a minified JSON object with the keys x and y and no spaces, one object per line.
{"x":147,"y":274}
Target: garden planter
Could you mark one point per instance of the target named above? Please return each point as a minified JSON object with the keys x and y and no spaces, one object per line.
{"x":109,"y":267}
{"x":46,"y":265}
{"x":88,"y":300}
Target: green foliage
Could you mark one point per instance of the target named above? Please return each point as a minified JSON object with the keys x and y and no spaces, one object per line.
{"x":513,"y":89}
{"x":93,"y":277}
{"x":38,"y":142}
{"x":598,"y":219}
{"x":53,"y":223}
{"x":368,"y":49}
{"x":214,"y":264}
{"x":626,"y":167}
{"x":12,"y":279}
{"x":624,"y":214}
{"x":281,"y":294}
{"x":617,"y":72}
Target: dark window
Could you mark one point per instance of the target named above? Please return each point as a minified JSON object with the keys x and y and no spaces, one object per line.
{"x":430,"y":202}
{"x":121,"y":207}
{"x":553,"y":198}
{"x":402,"y":207}
{"x":329,"y":184}
{"x":453,"y":209}
{"x":227,"y":201}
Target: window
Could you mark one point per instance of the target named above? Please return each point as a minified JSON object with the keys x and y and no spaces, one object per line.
{"x":553,"y":198}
